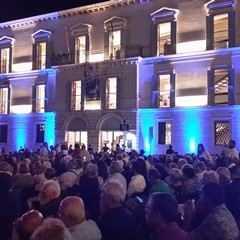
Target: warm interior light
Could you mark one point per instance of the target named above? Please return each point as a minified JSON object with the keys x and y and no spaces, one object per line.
{"x":191,"y":101}
{"x":192,"y":46}
{"x":93,"y":105}
{"x":19,"y":109}
{"x":22,"y":67}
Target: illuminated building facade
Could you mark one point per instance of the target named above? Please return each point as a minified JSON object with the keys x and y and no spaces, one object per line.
{"x":170,"y":70}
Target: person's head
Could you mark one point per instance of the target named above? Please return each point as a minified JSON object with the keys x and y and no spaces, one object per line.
{"x":76,"y":146}
{"x":28,"y":222}
{"x":199,"y":166}
{"x":210,"y":176}
{"x":154,"y":176}
{"x":112,"y":196}
{"x":161,"y":210}
{"x":224,"y":174}
{"x":136,"y":167}
{"x":50,"y":190}
{"x":200,"y":148}
{"x":5,"y":184}
{"x":232,"y":144}
{"x":71,"y":164}
{"x":115,"y":167}
{"x":212,"y":195}
{"x":188,"y":173}
{"x":51,"y":229}
{"x":71,"y":211}
{"x":23,"y":168}
{"x":50,"y":173}
{"x":92,"y":170}
{"x":235,"y":172}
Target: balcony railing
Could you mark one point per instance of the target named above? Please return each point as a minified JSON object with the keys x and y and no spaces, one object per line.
{"x":101,"y":54}
{"x":220,"y":39}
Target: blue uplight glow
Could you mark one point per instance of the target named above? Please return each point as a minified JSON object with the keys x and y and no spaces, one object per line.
{"x":22,"y":130}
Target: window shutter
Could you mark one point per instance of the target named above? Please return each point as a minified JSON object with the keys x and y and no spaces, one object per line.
{"x":123,"y":42}
{"x":153,"y":40}
{"x":118,"y":92}
{"x":231,"y":87}
{"x":106,"y":45}
{"x":210,"y":88}
{"x":87,"y":47}
{"x":9,"y":100}
{"x":172,"y":91}
{"x":231,"y":28}
{"x":83,"y":94}
{"x":103,"y":93}
{"x":155,"y":91}
{"x":161,"y":132}
{"x":69,"y":96}
{"x":34,"y":99}
{"x":173,"y":36}
{"x":34,"y":57}
{"x":209,"y":29}
{"x":46,"y":98}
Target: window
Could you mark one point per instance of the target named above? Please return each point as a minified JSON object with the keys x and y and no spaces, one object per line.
{"x":220,"y":24}
{"x":164,"y":38}
{"x":41,"y":49}
{"x":40,"y":133}
{"x":3,"y":133}
{"x":6,"y":45}
{"x":220,"y":33}
{"x":81,"y":50}
{"x":114,"y":44}
{"x":40,"y":98}
{"x":164,"y":133}
{"x":115,"y":37}
{"x":81,"y":33}
{"x":4,"y":95}
{"x":221,"y":87}
{"x":111,"y":93}
{"x":221,"y":132}
{"x":164,"y":31}
{"x":41,"y":55}
{"x":5,"y":60}
{"x":163,"y":90}
{"x":76,"y":95}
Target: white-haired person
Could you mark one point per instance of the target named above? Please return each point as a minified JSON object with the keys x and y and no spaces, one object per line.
{"x":51,"y":229}
{"x":50,"y":198}
{"x":116,"y":221}
{"x":72,"y":213}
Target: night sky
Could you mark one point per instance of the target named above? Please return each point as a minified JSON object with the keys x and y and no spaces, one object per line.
{"x":17,"y":9}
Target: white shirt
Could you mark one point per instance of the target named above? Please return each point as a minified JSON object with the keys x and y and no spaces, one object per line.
{"x":67,"y":179}
{"x":121,"y":179}
{"x":136,"y":185}
{"x":233,"y":153}
{"x":87,"y":230}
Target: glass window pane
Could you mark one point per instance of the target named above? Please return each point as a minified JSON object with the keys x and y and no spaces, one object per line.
{"x":221,"y":31}
{"x":164,"y":38}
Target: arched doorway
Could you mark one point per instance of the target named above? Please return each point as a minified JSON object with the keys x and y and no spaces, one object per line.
{"x":111,"y":134}
{"x":76,"y":132}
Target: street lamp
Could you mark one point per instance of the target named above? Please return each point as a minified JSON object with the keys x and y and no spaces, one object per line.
{"x":125,"y":128}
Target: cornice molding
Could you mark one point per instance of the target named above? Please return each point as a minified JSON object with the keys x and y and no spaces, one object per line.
{"x":31,"y":21}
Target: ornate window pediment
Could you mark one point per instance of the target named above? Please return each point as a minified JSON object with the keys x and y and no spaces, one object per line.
{"x":81,"y":29}
{"x":41,"y":35}
{"x":163,"y":13}
{"x":6,"y":41}
{"x":115,"y":23}
{"x":218,"y":4}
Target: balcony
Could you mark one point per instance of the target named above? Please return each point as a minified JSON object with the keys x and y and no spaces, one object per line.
{"x":97,"y":55}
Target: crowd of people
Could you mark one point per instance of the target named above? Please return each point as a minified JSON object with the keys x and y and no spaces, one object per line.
{"x":73,"y":193}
